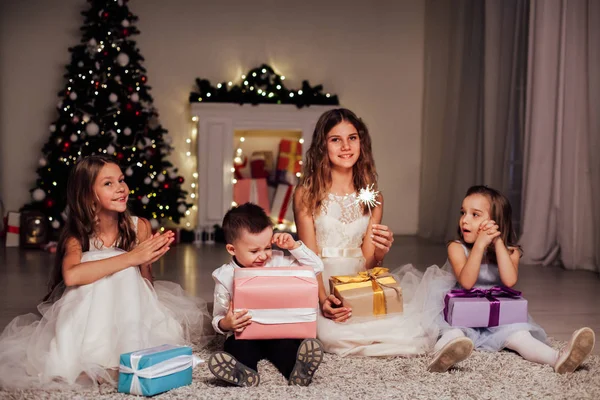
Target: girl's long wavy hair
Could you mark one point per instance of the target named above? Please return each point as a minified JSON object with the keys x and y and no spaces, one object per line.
{"x":82,"y":217}
{"x":316,"y":174}
{"x":501,"y":213}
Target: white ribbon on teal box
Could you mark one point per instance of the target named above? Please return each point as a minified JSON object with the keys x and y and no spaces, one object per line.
{"x":156,"y":370}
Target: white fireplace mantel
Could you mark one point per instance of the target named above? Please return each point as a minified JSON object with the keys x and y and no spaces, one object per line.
{"x":216,"y":125}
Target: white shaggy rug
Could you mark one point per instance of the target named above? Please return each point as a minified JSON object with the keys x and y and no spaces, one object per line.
{"x":502,"y":375}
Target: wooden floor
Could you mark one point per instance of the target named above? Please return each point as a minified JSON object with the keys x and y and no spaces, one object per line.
{"x":559,"y":300}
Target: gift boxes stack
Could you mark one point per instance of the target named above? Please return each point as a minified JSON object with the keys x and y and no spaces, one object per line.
{"x":269,"y":183}
{"x":28,"y":229}
{"x":283,"y":302}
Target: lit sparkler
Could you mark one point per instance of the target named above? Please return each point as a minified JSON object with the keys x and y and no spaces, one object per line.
{"x":368,"y":197}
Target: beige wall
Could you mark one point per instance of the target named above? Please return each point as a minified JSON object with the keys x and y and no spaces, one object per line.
{"x":370,"y":53}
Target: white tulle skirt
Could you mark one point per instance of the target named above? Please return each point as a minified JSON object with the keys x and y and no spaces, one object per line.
{"x":409,"y":334}
{"x":79,"y":338}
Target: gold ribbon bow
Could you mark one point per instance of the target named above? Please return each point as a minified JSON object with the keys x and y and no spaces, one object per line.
{"x":379,"y":307}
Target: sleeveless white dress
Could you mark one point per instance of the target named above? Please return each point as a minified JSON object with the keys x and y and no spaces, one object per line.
{"x":340,"y":228}
{"x":81,"y":336}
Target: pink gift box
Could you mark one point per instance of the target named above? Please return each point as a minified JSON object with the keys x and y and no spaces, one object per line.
{"x":283,"y":302}
{"x":253,"y":191}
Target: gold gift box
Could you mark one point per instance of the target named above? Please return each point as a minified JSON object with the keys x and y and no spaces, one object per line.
{"x":375,"y":292}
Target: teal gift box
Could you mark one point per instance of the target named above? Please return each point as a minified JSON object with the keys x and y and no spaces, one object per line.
{"x":156,"y":370}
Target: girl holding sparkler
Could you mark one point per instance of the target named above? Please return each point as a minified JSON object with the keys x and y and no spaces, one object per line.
{"x":338,"y":213}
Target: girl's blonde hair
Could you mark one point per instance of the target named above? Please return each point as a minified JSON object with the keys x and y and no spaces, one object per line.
{"x":316,"y":174}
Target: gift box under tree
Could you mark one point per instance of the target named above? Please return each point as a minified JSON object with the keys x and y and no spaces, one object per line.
{"x":13,"y":228}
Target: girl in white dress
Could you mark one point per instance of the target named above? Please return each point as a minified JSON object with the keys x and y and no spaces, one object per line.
{"x":106,"y":303}
{"x":350,"y":238}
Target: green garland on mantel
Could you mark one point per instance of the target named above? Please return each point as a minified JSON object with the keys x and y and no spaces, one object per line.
{"x":261,"y":85}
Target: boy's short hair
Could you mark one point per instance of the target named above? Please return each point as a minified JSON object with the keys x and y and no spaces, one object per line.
{"x":247,"y":217}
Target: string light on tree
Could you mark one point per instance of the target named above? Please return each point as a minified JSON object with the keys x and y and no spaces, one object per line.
{"x":105,"y":108}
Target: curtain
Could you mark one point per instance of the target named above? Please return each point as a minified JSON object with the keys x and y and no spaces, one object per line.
{"x":474,"y":106}
{"x":560,"y":177}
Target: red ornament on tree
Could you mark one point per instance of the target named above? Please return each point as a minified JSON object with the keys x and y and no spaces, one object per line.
{"x":120,"y":156}
{"x":137,"y":113}
{"x":125,"y":32}
{"x":166,"y":186}
{"x":143,"y":78}
{"x":180,"y":179}
{"x":129,"y":88}
{"x":129,"y":106}
{"x":105,"y":15}
{"x":49,"y":203}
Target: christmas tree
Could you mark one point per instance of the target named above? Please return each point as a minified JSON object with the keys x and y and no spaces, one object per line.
{"x":105,"y":107}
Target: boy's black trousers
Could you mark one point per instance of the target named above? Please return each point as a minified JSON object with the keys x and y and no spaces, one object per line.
{"x":280,"y":352}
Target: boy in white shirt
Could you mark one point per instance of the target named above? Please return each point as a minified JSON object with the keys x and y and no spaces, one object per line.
{"x":249,"y":237}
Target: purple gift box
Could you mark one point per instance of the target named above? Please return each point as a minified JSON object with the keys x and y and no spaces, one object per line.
{"x":483,"y":308}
